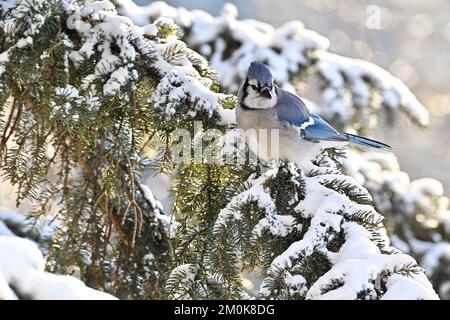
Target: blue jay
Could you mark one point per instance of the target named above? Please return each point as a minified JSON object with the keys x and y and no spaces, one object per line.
{"x":301,"y":134}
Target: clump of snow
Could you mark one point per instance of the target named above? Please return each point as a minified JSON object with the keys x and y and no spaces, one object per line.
{"x":104,"y":28}
{"x":358,"y":265}
{"x":227,"y":117}
{"x":149,"y":30}
{"x":177,"y":88}
{"x":279,"y":225}
{"x":296,"y":284}
{"x":169,"y":222}
{"x":180,"y":86}
{"x":344,"y":76}
{"x":9,"y":220}
{"x":18,"y":13}
{"x":431,"y":260}
{"x":409,"y":288}
{"x":22,"y":275}
{"x":184,"y":277}
{"x":444,"y":220}
{"x":380,"y":172}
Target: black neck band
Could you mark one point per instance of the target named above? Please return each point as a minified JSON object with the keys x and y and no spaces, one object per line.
{"x":245,"y":107}
{"x":244,"y":95}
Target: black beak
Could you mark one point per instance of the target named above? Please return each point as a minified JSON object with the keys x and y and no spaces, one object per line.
{"x":266,"y":93}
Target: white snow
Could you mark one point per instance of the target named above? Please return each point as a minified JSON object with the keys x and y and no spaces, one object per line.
{"x":356,"y":77}
{"x":103,"y":29}
{"x":11,"y":218}
{"x":359,"y":262}
{"x":17,"y":11}
{"x":409,"y":288}
{"x":258,"y":193}
{"x":431,"y":259}
{"x":149,"y":30}
{"x":181,"y":85}
{"x":169,"y":222}
{"x":24,"y":42}
{"x":380,"y":172}
{"x":22,"y":267}
{"x":188,"y":272}
{"x":227,"y":117}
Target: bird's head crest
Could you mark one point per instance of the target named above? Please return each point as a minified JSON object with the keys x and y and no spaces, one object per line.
{"x":258,"y":90}
{"x":261,"y":73}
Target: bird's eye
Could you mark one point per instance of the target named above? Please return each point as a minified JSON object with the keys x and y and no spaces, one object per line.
{"x":254,"y":87}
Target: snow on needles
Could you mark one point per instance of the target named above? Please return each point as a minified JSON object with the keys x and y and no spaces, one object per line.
{"x":179,"y":69}
{"x":380,"y":172}
{"x":121,"y":47}
{"x":359,"y":261}
{"x":279,"y":225}
{"x":420,"y":208}
{"x":169,"y":222}
{"x":358,"y":77}
{"x":181,"y":280}
{"x":9,"y":26}
{"x":22,"y":275}
{"x":359,"y":264}
{"x":362,"y":260}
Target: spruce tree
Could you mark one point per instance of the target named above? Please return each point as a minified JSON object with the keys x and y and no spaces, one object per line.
{"x":353,"y":95}
{"x":86,"y":97}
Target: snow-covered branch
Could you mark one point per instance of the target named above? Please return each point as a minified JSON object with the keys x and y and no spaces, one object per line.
{"x":360,"y":264}
{"x":348,"y":86}
{"x":417,"y":211}
{"x":22,"y":275}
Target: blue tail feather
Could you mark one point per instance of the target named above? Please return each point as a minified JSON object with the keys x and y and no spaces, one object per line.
{"x":352,"y":138}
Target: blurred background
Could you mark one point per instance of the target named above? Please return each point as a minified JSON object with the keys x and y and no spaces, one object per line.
{"x":409,"y":38}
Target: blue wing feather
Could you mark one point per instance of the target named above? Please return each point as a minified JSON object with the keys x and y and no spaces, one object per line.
{"x":292,"y":109}
{"x":321,"y":130}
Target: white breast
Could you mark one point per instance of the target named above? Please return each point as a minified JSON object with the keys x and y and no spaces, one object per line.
{"x":288,"y":145}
